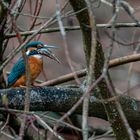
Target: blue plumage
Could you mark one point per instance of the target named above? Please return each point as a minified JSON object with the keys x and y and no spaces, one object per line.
{"x":33,"y":44}
{"x":15,"y":78}
{"x":19,"y":68}
{"x":17,"y":71}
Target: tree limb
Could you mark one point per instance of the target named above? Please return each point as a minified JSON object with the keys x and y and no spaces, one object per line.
{"x":113,"y":63}
{"x":62,"y":99}
{"x":113,"y":109}
{"x":73,"y":28}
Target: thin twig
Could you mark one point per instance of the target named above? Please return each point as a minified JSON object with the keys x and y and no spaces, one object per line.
{"x":112,"y":63}
{"x":91,"y":68}
{"x":109,"y":133}
{"x":15,"y":51}
{"x":43,"y":124}
{"x":36,"y":12}
{"x":123,"y":127}
{"x":27,"y":96}
{"x":41,"y":115}
{"x":69,"y":112}
{"x":130,"y":70}
{"x":9,"y":136}
{"x":67,"y":28}
{"x":63,"y":33}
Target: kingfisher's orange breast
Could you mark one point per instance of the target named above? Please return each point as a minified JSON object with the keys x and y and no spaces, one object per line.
{"x":36,"y":66}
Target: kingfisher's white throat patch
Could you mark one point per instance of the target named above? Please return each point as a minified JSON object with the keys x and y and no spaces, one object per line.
{"x":39,"y":56}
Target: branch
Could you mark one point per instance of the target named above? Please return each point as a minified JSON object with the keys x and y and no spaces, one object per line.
{"x":15,"y":51}
{"x":68,"y":28}
{"x":62,"y":99}
{"x":112,"y":63}
{"x":113,"y":109}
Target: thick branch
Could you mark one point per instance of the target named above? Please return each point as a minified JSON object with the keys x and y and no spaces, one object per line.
{"x":113,"y":108}
{"x":62,"y":99}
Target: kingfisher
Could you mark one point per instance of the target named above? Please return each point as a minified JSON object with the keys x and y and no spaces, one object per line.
{"x":34,"y":53}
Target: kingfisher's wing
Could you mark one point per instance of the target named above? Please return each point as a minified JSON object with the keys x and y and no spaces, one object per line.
{"x":17,"y":71}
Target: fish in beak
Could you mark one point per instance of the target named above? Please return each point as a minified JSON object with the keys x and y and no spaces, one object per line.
{"x":45,"y":51}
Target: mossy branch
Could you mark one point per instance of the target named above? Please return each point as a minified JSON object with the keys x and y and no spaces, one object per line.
{"x":62,"y":99}
{"x":113,"y":108}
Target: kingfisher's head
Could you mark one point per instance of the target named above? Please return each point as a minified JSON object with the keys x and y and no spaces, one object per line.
{"x":39,"y":48}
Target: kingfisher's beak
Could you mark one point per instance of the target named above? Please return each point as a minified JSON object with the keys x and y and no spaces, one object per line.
{"x":45,"y":51}
{"x":50,"y":46}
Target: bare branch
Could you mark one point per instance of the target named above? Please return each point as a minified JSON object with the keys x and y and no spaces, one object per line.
{"x":62,"y":99}
{"x":67,"y":28}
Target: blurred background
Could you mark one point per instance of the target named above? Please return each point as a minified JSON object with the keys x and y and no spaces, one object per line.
{"x":126,"y":78}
